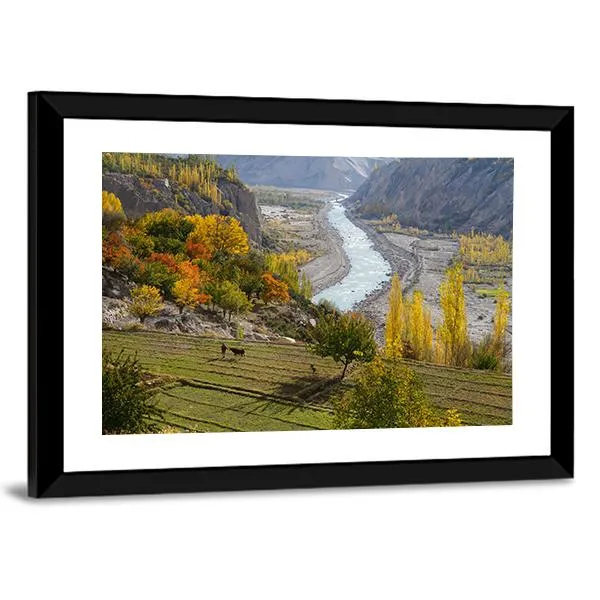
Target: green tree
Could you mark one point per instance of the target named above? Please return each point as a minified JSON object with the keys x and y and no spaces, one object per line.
{"x":386,"y":394}
{"x":229,"y":298}
{"x":127,"y":405}
{"x":347,"y":338}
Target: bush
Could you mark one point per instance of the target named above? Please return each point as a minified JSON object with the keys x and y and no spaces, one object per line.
{"x":486,"y":355}
{"x":386,"y":394}
{"x":126,"y":403}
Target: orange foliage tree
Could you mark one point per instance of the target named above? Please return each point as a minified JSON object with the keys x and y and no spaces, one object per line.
{"x":197,"y":250}
{"x":274,"y":290}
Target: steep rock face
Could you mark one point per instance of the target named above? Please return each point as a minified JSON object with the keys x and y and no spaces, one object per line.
{"x":141,"y":195}
{"x":340,"y":174}
{"x":441,"y":194}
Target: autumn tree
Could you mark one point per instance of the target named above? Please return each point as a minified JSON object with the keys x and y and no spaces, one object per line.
{"x":218,"y":233}
{"x":347,"y":338}
{"x":197,"y":250}
{"x":140,"y":243}
{"x":395,"y":320}
{"x":452,"y":342}
{"x":145,"y":301}
{"x":186,"y":294}
{"x":418,"y":330}
{"x":501,"y":320}
{"x":168,"y":229}
{"x":274,"y":290}
{"x":113,"y":215}
{"x":386,"y":394}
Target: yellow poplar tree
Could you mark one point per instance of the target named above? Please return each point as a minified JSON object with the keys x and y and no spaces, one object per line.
{"x":452,"y":342}
{"x":501,"y":319}
{"x":395,"y":320}
{"x":419,"y":332}
{"x":112,"y":211}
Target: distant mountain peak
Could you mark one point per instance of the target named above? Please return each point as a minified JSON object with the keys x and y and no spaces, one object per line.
{"x":336,"y":173}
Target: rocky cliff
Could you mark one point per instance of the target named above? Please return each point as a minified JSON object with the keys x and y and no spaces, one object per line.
{"x":141,"y":195}
{"x":441,"y":194}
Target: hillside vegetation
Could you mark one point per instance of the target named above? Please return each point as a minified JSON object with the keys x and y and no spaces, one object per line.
{"x":192,"y":185}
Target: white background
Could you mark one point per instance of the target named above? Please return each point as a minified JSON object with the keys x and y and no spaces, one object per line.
{"x":510,"y":540}
{"x":85,"y":446}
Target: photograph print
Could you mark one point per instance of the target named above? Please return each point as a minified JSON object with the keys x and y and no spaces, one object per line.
{"x":291,"y":293}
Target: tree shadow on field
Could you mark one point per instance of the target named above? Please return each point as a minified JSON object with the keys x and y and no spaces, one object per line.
{"x":308,"y":388}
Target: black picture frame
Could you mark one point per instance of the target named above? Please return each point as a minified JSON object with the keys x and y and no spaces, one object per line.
{"x":47,"y":112}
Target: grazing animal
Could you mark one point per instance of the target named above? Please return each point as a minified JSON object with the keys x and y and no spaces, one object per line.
{"x":314,"y":369}
{"x":223,"y":350}
{"x":238,"y":351}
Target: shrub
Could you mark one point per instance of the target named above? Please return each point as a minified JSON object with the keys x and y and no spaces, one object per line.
{"x":126,"y":403}
{"x":485,"y":355}
{"x":452,"y":418}
{"x":386,"y":394}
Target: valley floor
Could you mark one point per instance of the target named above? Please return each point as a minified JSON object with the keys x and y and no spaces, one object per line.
{"x":421,"y":263}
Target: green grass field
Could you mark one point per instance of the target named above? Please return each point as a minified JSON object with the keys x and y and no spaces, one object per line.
{"x":282,"y":387}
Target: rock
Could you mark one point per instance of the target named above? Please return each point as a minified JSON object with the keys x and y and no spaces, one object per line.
{"x":115,"y":285}
{"x":288,"y":339}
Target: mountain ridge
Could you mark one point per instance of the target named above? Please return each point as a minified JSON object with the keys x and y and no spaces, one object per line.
{"x":441,"y":194}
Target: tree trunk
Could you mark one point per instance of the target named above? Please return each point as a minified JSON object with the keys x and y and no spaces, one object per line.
{"x":344,"y":371}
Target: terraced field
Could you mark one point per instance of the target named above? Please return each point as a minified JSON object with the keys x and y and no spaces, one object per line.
{"x":281,"y":387}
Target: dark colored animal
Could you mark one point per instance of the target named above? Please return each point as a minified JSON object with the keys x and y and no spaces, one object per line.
{"x":314,"y":369}
{"x":238,"y":351}
{"x":223,"y":350}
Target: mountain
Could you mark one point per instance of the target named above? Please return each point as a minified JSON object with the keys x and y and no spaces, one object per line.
{"x":441,"y":194}
{"x":140,"y":195}
{"x":340,"y":174}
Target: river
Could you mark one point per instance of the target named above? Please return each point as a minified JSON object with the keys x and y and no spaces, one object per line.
{"x":368,"y":269}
